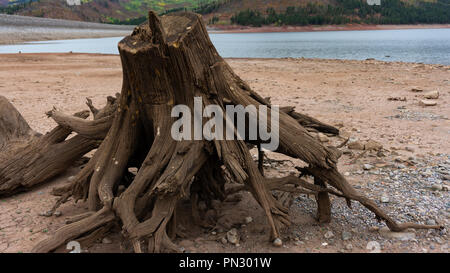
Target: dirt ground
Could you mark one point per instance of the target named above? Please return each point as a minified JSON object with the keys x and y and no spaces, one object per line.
{"x":367,"y":99}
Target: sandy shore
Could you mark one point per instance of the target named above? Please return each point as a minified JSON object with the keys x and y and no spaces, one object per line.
{"x":17,"y":29}
{"x":353,"y":95}
{"x":349,"y":27}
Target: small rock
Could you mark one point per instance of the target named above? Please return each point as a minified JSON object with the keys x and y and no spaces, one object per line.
{"x":329,"y":235}
{"x":349,"y":247}
{"x":57,"y":213}
{"x":427,"y":103}
{"x":46,"y":214}
{"x":372,"y":145}
{"x":416,"y":89}
{"x":346,"y":235}
{"x":232,"y":236}
{"x":322,"y":137}
{"x":436,"y":187}
{"x":248,"y":220}
{"x":106,"y":240}
{"x":409,"y":149}
{"x":356,"y":145}
{"x":224,"y":240}
{"x":431,"y":222}
{"x":384,"y":198}
{"x":367,"y":167}
{"x":431,"y":95}
{"x":277,"y":242}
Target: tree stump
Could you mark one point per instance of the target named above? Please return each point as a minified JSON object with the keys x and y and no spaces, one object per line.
{"x":169,"y":61}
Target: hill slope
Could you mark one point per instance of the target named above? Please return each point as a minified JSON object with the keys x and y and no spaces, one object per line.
{"x":319,"y":12}
{"x":242,"y":12}
{"x":94,"y":10}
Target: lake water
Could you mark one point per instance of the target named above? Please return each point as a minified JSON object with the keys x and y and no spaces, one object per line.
{"x":411,"y":45}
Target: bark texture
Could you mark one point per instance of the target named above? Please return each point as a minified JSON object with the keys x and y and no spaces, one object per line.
{"x":28,"y":158}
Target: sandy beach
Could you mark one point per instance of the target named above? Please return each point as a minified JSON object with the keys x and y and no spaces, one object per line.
{"x":367,"y":100}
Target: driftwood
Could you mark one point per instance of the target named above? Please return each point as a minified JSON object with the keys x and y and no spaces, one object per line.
{"x":168,"y":61}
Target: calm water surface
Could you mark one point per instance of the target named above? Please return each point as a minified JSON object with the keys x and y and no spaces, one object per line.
{"x":409,"y":45}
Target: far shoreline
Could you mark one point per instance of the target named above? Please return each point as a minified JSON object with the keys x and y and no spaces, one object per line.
{"x":218,"y":29}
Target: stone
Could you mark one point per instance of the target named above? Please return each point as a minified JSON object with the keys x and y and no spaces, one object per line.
{"x":346,"y":235}
{"x":431,"y":95}
{"x":372,"y":145}
{"x":428,"y":103}
{"x":232,"y":236}
{"x":57,"y":213}
{"x":248,"y":220}
{"x":409,"y":149}
{"x":431,"y":222}
{"x":367,"y":167}
{"x":402,"y":236}
{"x":329,"y":235}
{"x":384,"y":198}
{"x":46,"y":214}
{"x":349,"y":247}
{"x":416,"y":89}
{"x":355,"y":145}
{"x":224,"y":240}
{"x":277,"y":242}
{"x":436,"y":187}
{"x":322,"y":137}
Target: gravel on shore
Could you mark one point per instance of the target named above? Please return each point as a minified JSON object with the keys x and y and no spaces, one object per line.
{"x":16,"y":29}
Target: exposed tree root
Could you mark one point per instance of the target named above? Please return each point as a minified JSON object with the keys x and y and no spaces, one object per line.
{"x":28,"y":159}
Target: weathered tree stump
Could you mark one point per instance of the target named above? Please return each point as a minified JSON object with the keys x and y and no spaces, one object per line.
{"x":166,"y":62}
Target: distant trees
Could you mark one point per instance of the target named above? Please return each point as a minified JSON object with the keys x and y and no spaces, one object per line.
{"x":12,"y":9}
{"x":350,"y":11}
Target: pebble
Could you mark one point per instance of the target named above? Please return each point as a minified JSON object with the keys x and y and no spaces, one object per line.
{"x":349,"y":247}
{"x":367,"y":167}
{"x":329,"y":235}
{"x":46,"y":214}
{"x":427,"y":103}
{"x":277,"y":242}
{"x":224,"y":240}
{"x":232,"y":236}
{"x":248,"y":220}
{"x":431,"y":222}
{"x":384,"y":198}
{"x":373,"y":145}
{"x":431,"y":95}
{"x":57,"y":213}
{"x":436,"y":187}
{"x":356,"y":145}
{"x":346,"y":235}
